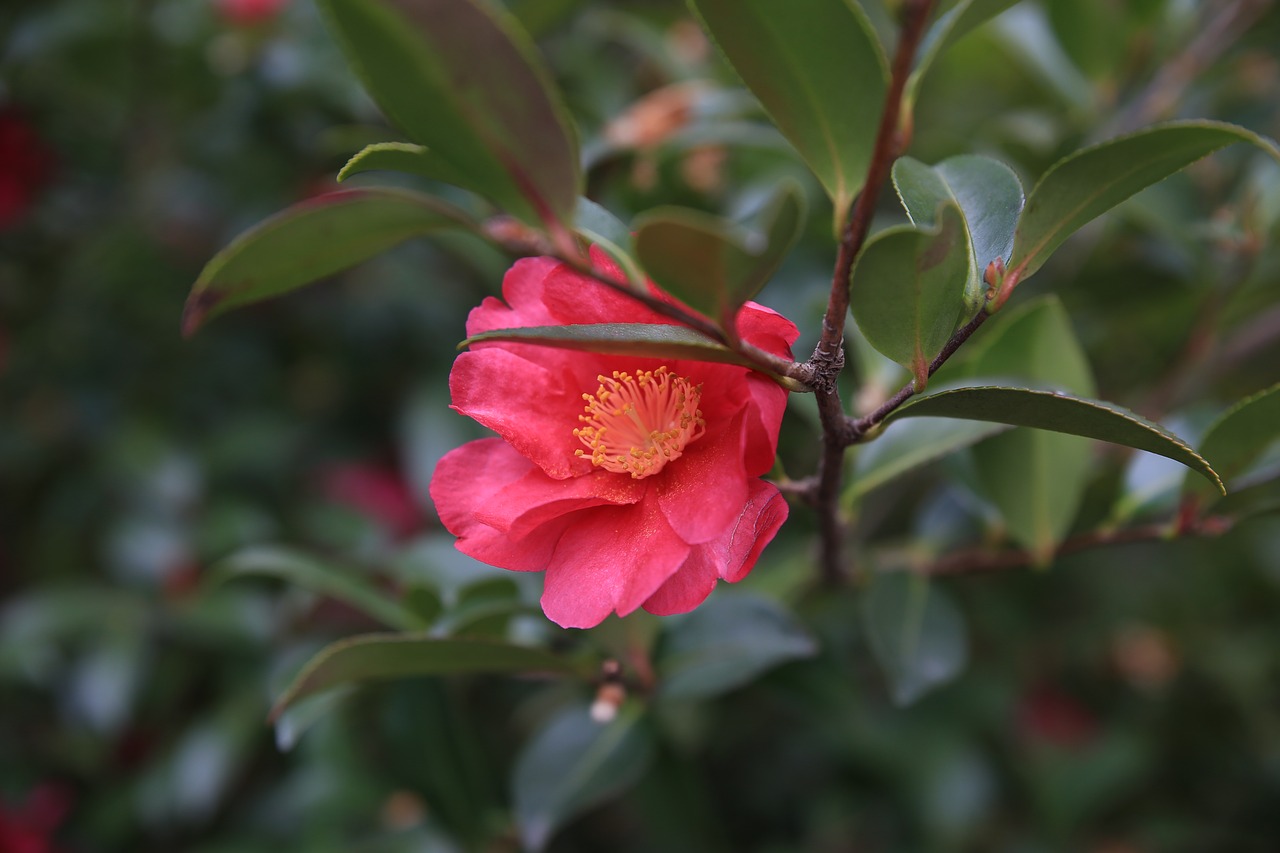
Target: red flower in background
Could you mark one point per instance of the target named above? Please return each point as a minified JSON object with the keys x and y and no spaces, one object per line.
{"x":26,"y":165}
{"x":632,"y":481}
{"x":30,"y":827}
{"x":379,"y":493}
{"x":249,"y":12}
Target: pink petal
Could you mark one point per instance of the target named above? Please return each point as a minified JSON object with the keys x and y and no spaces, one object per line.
{"x":505,"y":511}
{"x":532,"y":407}
{"x":702,"y":492}
{"x":767,"y":329}
{"x":688,"y":587}
{"x":768,"y":402}
{"x":730,"y":558}
{"x":521,"y":303}
{"x":610,"y":559}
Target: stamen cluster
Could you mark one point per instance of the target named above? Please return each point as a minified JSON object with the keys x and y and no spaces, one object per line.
{"x":637,"y":424}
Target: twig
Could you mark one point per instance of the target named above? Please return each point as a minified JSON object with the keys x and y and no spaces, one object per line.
{"x":1215,"y":35}
{"x":858,"y":430}
{"x":984,"y":561}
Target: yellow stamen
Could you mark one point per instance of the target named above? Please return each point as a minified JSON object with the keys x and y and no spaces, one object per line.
{"x":637,"y":424}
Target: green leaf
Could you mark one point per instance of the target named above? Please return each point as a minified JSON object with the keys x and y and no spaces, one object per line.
{"x":316,"y":576}
{"x":647,"y":340}
{"x":818,"y":70}
{"x":917,"y":635}
{"x":1057,"y":412}
{"x":311,"y":240}
{"x":375,"y":657}
{"x":727,"y":642}
{"x":958,"y":22}
{"x":987,"y":192}
{"x":909,"y":445}
{"x":1238,"y":438}
{"x":1091,"y":181}
{"x":605,"y":230}
{"x":462,"y":78}
{"x":907,"y":290}
{"x":401,"y":157}
{"x":711,"y":264}
{"x":1036,"y":479}
{"x":573,"y":764}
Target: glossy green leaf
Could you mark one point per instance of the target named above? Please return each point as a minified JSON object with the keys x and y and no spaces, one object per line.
{"x":401,"y":157}
{"x":987,"y":192}
{"x":1036,"y":479}
{"x":573,"y":764}
{"x":950,"y":27}
{"x":317,"y":576}
{"x":378,"y":657}
{"x":311,"y":240}
{"x":907,"y":290}
{"x":729,"y":641}
{"x":917,"y":635}
{"x":605,"y":230}
{"x":1238,"y":438}
{"x":714,"y":265}
{"x":1091,"y":181}
{"x":818,"y":70}
{"x":908,"y":445}
{"x":640,"y":339}
{"x":1057,"y":412}
{"x":462,"y":78}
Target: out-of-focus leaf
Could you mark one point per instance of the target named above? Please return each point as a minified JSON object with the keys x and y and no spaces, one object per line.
{"x":462,"y":78}
{"x":311,"y":240}
{"x":950,"y":27}
{"x":372,"y":657}
{"x":714,"y":265}
{"x":318,"y":576}
{"x":1237,"y":438}
{"x":907,"y":290}
{"x":820,"y":74}
{"x":608,"y":232}
{"x":987,"y":192}
{"x":910,"y":444}
{"x":726,"y":643}
{"x":293,"y":722}
{"x":1057,"y":412}
{"x":641,"y":339}
{"x":401,"y":157}
{"x":1088,"y":183}
{"x":574,"y":763}
{"x":917,"y":635}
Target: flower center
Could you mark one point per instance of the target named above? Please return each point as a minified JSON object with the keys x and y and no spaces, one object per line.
{"x":637,"y":424}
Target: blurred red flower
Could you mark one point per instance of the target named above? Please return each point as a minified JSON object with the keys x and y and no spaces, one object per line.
{"x":249,"y":12}
{"x":632,"y":481}
{"x":30,"y":827}
{"x":26,"y":165}
{"x":377,"y":492}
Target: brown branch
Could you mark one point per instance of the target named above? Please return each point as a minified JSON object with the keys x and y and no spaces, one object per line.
{"x":828,"y":356}
{"x":984,"y":561}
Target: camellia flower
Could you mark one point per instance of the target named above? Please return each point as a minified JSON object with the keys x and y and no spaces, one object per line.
{"x":632,"y":481}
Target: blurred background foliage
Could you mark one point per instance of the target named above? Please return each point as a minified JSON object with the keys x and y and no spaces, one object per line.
{"x":1124,"y":700}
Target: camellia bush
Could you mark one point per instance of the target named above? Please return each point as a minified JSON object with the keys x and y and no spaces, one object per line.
{"x":788,"y":347}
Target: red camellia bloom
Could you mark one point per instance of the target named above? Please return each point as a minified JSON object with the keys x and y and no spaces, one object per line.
{"x":632,"y":481}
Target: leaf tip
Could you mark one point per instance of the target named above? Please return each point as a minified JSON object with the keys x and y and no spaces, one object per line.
{"x":195,"y":310}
